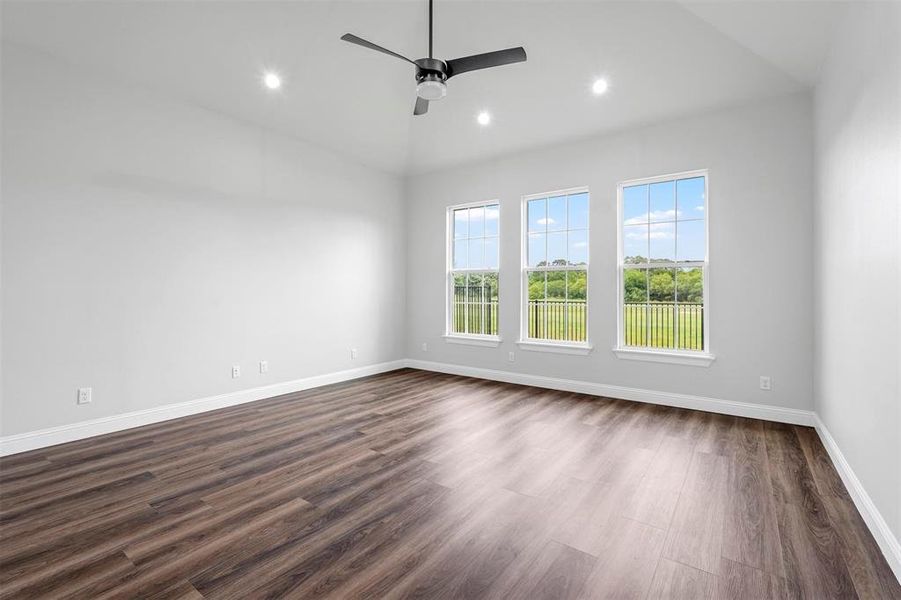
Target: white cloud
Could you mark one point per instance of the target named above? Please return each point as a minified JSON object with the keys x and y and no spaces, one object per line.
{"x":547,"y":221}
{"x":658,"y":231}
{"x":654,"y":215}
{"x":699,"y":208}
{"x":663,"y":231}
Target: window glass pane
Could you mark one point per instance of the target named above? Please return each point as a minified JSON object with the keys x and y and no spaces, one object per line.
{"x":690,"y":308}
{"x":691,"y":241}
{"x":556,"y":285}
{"x":690,"y":198}
{"x":661,"y":285}
{"x":578,"y":247}
{"x":576,"y":311}
{"x":576,"y":321}
{"x":537,"y":210}
{"x":475,"y":303}
{"x":578,"y":211}
{"x":492,"y":212}
{"x":635,"y":204}
{"x":635,"y":244}
{"x":663,"y":201}
{"x":661,"y":311}
{"x":556,"y":248}
{"x":662,"y":242}
{"x":556,"y":213}
{"x":460,"y":253}
{"x":690,"y":285}
{"x":635,"y":285}
{"x":576,"y":285}
{"x":476,"y":253}
{"x":535,"y":311}
{"x":476,"y":222}
{"x":576,"y":306}
{"x":490,"y":284}
{"x":461,"y":223}
{"x":491,"y":257}
{"x":556,"y":305}
{"x":635,"y":307}
{"x":537,"y":246}
{"x":458,"y":317}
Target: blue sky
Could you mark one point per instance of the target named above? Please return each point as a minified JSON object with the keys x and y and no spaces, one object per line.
{"x":476,"y":237}
{"x":558,"y":229}
{"x":665,"y":220}
{"x":661,"y":220}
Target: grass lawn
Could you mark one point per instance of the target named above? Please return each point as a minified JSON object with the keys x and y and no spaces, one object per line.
{"x":566,"y":321}
{"x":654,"y":325}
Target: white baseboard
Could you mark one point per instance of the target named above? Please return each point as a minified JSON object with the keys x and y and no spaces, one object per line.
{"x":43,"y":438}
{"x":884,"y":537}
{"x":727,"y":407}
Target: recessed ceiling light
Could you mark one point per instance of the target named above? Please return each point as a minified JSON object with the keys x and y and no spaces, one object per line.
{"x":272,"y":81}
{"x":484,"y":118}
{"x":599,"y":87}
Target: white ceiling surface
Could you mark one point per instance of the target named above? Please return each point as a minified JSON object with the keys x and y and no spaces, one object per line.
{"x":794,"y":36}
{"x":662,"y":60}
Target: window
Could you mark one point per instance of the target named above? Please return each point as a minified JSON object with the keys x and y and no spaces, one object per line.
{"x":555,"y":269}
{"x":473,"y":270}
{"x":663,"y":264}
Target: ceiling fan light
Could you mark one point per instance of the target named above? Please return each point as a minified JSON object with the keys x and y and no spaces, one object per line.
{"x":431,"y":89}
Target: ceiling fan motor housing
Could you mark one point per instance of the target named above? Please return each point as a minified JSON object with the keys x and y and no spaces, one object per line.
{"x":430,"y":79}
{"x":431,"y":87}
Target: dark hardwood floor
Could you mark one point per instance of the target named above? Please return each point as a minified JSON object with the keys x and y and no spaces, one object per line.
{"x":415,"y":484}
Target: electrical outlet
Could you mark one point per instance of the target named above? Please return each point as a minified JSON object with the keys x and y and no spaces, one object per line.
{"x":264,"y":366}
{"x":353,"y":354}
{"x":766,"y":383}
{"x":236,"y":371}
{"x":84,"y":396}
{"x":425,"y":347}
{"x":511,"y":357}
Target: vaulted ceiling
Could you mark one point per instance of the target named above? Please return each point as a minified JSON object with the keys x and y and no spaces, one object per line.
{"x":662,"y":60}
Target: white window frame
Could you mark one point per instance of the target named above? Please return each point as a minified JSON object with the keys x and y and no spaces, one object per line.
{"x":538,"y":344}
{"x":702,"y":358}
{"x":450,"y":336}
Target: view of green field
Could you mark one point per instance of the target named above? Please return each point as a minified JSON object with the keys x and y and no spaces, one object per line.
{"x":652,"y":325}
{"x":663,"y":307}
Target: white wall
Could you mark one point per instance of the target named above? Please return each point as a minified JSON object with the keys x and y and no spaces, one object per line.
{"x":857,"y":252}
{"x":760,"y":186}
{"x":147,"y":246}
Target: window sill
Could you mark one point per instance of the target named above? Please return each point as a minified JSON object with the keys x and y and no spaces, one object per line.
{"x":555,"y":347}
{"x":695,"y":359}
{"x":486,"y":341}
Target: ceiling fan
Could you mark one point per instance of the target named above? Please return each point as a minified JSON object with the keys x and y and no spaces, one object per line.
{"x":432,"y":73}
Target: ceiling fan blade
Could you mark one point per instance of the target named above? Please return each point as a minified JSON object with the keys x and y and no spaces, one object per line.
{"x":485,"y":61}
{"x":422,"y":106}
{"x":349,"y":37}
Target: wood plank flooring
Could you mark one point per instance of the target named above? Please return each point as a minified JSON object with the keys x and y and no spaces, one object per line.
{"x":420,"y":485}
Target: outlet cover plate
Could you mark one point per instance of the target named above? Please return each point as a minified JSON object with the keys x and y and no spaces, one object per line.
{"x":84,"y":396}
